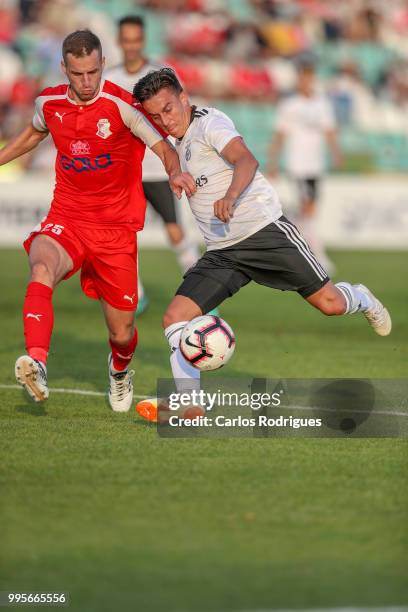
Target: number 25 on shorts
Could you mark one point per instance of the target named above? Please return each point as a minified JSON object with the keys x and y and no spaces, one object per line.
{"x":55,"y":229}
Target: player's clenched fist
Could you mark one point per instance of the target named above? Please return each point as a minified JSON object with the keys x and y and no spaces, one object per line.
{"x":182,"y":182}
{"x":223,"y":209}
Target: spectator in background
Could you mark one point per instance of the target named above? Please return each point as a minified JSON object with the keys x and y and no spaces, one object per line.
{"x":243,"y":42}
{"x":196,"y":33}
{"x":287,"y":36}
{"x":305,"y":122}
{"x":353,"y":102}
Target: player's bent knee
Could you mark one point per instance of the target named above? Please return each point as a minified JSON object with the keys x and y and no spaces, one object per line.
{"x":181,"y":309}
{"x":122,"y":335}
{"x":40,"y":273}
{"x":172,"y":315}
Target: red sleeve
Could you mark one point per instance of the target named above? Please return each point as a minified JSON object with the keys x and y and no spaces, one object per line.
{"x":59,"y":90}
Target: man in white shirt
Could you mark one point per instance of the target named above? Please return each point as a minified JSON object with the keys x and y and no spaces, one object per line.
{"x":131,"y":39}
{"x":305,"y":123}
{"x":240,"y":217}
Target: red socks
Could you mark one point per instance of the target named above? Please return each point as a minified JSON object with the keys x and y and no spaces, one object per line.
{"x":122,"y":355}
{"x":38,"y":320}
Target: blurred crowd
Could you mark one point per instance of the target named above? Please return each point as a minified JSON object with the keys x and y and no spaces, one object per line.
{"x":231,"y":50}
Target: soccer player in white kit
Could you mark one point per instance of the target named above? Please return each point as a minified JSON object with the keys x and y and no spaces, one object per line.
{"x":131,"y":39}
{"x":305,"y":123}
{"x":240,"y":217}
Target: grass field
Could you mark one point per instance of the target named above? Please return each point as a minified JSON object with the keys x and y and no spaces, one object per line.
{"x":96,"y":504}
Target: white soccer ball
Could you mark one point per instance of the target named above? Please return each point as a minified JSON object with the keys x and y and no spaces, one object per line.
{"x":207,"y":342}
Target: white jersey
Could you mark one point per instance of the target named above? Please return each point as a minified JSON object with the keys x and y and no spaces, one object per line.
{"x":200,"y":154}
{"x":152,"y":168}
{"x":304,"y":121}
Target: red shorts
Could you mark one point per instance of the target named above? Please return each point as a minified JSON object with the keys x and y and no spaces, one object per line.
{"x":107,"y":258}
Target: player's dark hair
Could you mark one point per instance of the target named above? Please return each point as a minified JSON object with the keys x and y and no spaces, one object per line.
{"x":80,"y":44}
{"x":153,"y":82}
{"x":131,"y":20}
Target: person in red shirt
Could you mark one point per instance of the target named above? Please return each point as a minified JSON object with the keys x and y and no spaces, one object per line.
{"x":97,"y":208}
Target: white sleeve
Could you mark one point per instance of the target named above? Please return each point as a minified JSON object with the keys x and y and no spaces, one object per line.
{"x":38,"y":118}
{"x":136,"y":122}
{"x":219,"y":131}
{"x":141,"y":127}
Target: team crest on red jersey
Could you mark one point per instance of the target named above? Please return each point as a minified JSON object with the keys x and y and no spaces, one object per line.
{"x":80,"y":147}
{"x":103,"y":126}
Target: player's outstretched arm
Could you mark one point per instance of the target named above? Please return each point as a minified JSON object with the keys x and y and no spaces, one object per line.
{"x":142,"y":127}
{"x":24,"y":142}
{"x":179,"y":181}
{"x":245,"y":166}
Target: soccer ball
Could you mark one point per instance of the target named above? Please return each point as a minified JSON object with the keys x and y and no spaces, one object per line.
{"x":207,"y":342}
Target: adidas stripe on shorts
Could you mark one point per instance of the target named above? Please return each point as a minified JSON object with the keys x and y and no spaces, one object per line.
{"x":276,"y":256}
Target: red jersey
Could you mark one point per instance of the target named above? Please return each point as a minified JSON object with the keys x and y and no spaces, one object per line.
{"x":100,"y":147}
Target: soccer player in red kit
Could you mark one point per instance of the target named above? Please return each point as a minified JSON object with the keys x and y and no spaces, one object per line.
{"x":97,"y":208}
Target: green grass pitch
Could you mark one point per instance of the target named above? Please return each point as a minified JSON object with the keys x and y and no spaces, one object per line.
{"x":96,"y":504}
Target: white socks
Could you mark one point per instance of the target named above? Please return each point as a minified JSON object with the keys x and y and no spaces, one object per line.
{"x":187,"y":254}
{"x":187,"y":377}
{"x":356,"y":300}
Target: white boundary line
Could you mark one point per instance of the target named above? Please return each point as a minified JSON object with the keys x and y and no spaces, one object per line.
{"x":306,"y":408}
{"x":72,"y":391}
